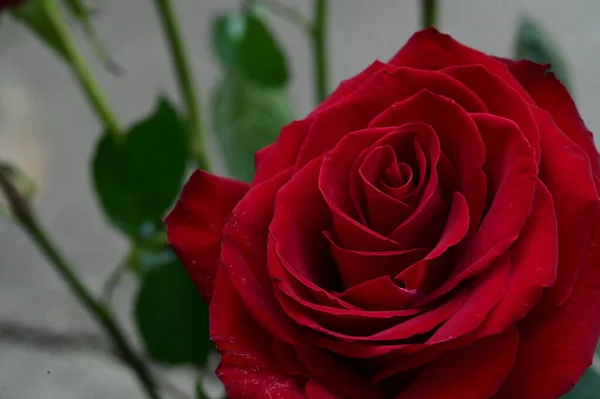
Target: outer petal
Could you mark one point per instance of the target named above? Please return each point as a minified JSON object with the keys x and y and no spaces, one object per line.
{"x":194,"y":226}
{"x":566,"y":172}
{"x":247,"y":367}
{"x":244,"y":256}
{"x":429,"y":49}
{"x":474,"y":372}
{"x":558,"y":343}
{"x":551,"y":95}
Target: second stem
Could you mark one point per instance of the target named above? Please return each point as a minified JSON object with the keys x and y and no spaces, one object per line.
{"x":185,"y":79}
{"x":81,"y":70}
{"x":319,"y":39}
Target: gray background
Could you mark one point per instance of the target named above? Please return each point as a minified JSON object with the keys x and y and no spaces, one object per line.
{"x":47,"y":127}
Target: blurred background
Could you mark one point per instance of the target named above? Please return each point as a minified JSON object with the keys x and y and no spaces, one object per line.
{"x":47,"y":127}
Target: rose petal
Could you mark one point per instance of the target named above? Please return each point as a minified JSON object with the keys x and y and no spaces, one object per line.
{"x":500,"y":98}
{"x":551,"y":95}
{"x":336,"y":192}
{"x":487,"y":292}
{"x":195,"y":224}
{"x":458,"y":136}
{"x":347,"y":325}
{"x":565,"y":169}
{"x":244,"y":255}
{"x":247,"y":368}
{"x":380,"y":293}
{"x":384,"y":212}
{"x":533,"y":258}
{"x":337,"y":375}
{"x":355,"y":267}
{"x":297,"y":238}
{"x":314,"y":390}
{"x":348,"y":86}
{"x":511,"y":174}
{"x":283,"y":152}
{"x":558,"y":342}
{"x":430,"y":49}
{"x":474,"y":372}
{"x":383,"y":89}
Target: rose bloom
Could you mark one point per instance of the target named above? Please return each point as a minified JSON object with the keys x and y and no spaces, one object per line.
{"x":429,"y":231}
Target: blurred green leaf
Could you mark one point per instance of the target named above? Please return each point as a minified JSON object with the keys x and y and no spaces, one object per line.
{"x":138,"y":177}
{"x":31,"y":14}
{"x":172,"y":317}
{"x":535,"y":43}
{"x":246,"y":118}
{"x":244,"y":43}
{"x":587,"y":388}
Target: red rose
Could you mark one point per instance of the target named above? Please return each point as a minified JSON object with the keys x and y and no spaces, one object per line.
{"x":429,"y":231}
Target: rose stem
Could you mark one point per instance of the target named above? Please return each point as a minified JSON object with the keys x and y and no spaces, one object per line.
{"x":100,"y":313}
{"x":185,"y":79}
{"x":429,"y":9}
{"x":319,"y":41}
{"x":81,"y":70}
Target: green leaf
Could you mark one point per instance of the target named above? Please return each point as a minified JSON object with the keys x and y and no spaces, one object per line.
{"x":587,"y":388}
{"x":138,"y":177}
{"x":244,"y":43}
{"x":246,"y":118}
{"x":172,"y":317}
{"x":31,"y":14}
{"x":535,"y":43}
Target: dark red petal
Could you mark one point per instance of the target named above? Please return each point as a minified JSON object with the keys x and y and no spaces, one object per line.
{"x":314,"y":390}
{"x":565,"y":169}
{"x":380,"y":293}
{"x":511,"y":175}
{"x":244,"y":255}
{"x":337,"y":375}
{"x":473,"y":372}
{"x":533,"y":258}
{"x":384,"y":211}
{"x":283,"y":152}
{"x":348,"y":326}
{"x":261,"y":154}
{"x":355,"y":267}
{"x":195,"y":225}
{"x":458,"y":136}
{"x":558,"y":342}
{"x":487,"y":292}
{"x":429,"y":49}
{"x":383,"y":89}
{"x":549,"y":94}
{"x":348,"y":86}
{"x":457,"y":226}
{"x":500,"y":98}
{"x":300,"y":216}
{"x":335,"y":187}
{"x":247,"y":369}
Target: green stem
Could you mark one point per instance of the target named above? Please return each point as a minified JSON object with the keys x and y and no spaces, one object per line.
{"x":429,"y":13}
{"x":185,"y":79}
{"x":97,"y":310}
{"x":320,"y":49}
{"x":82,"y":71}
